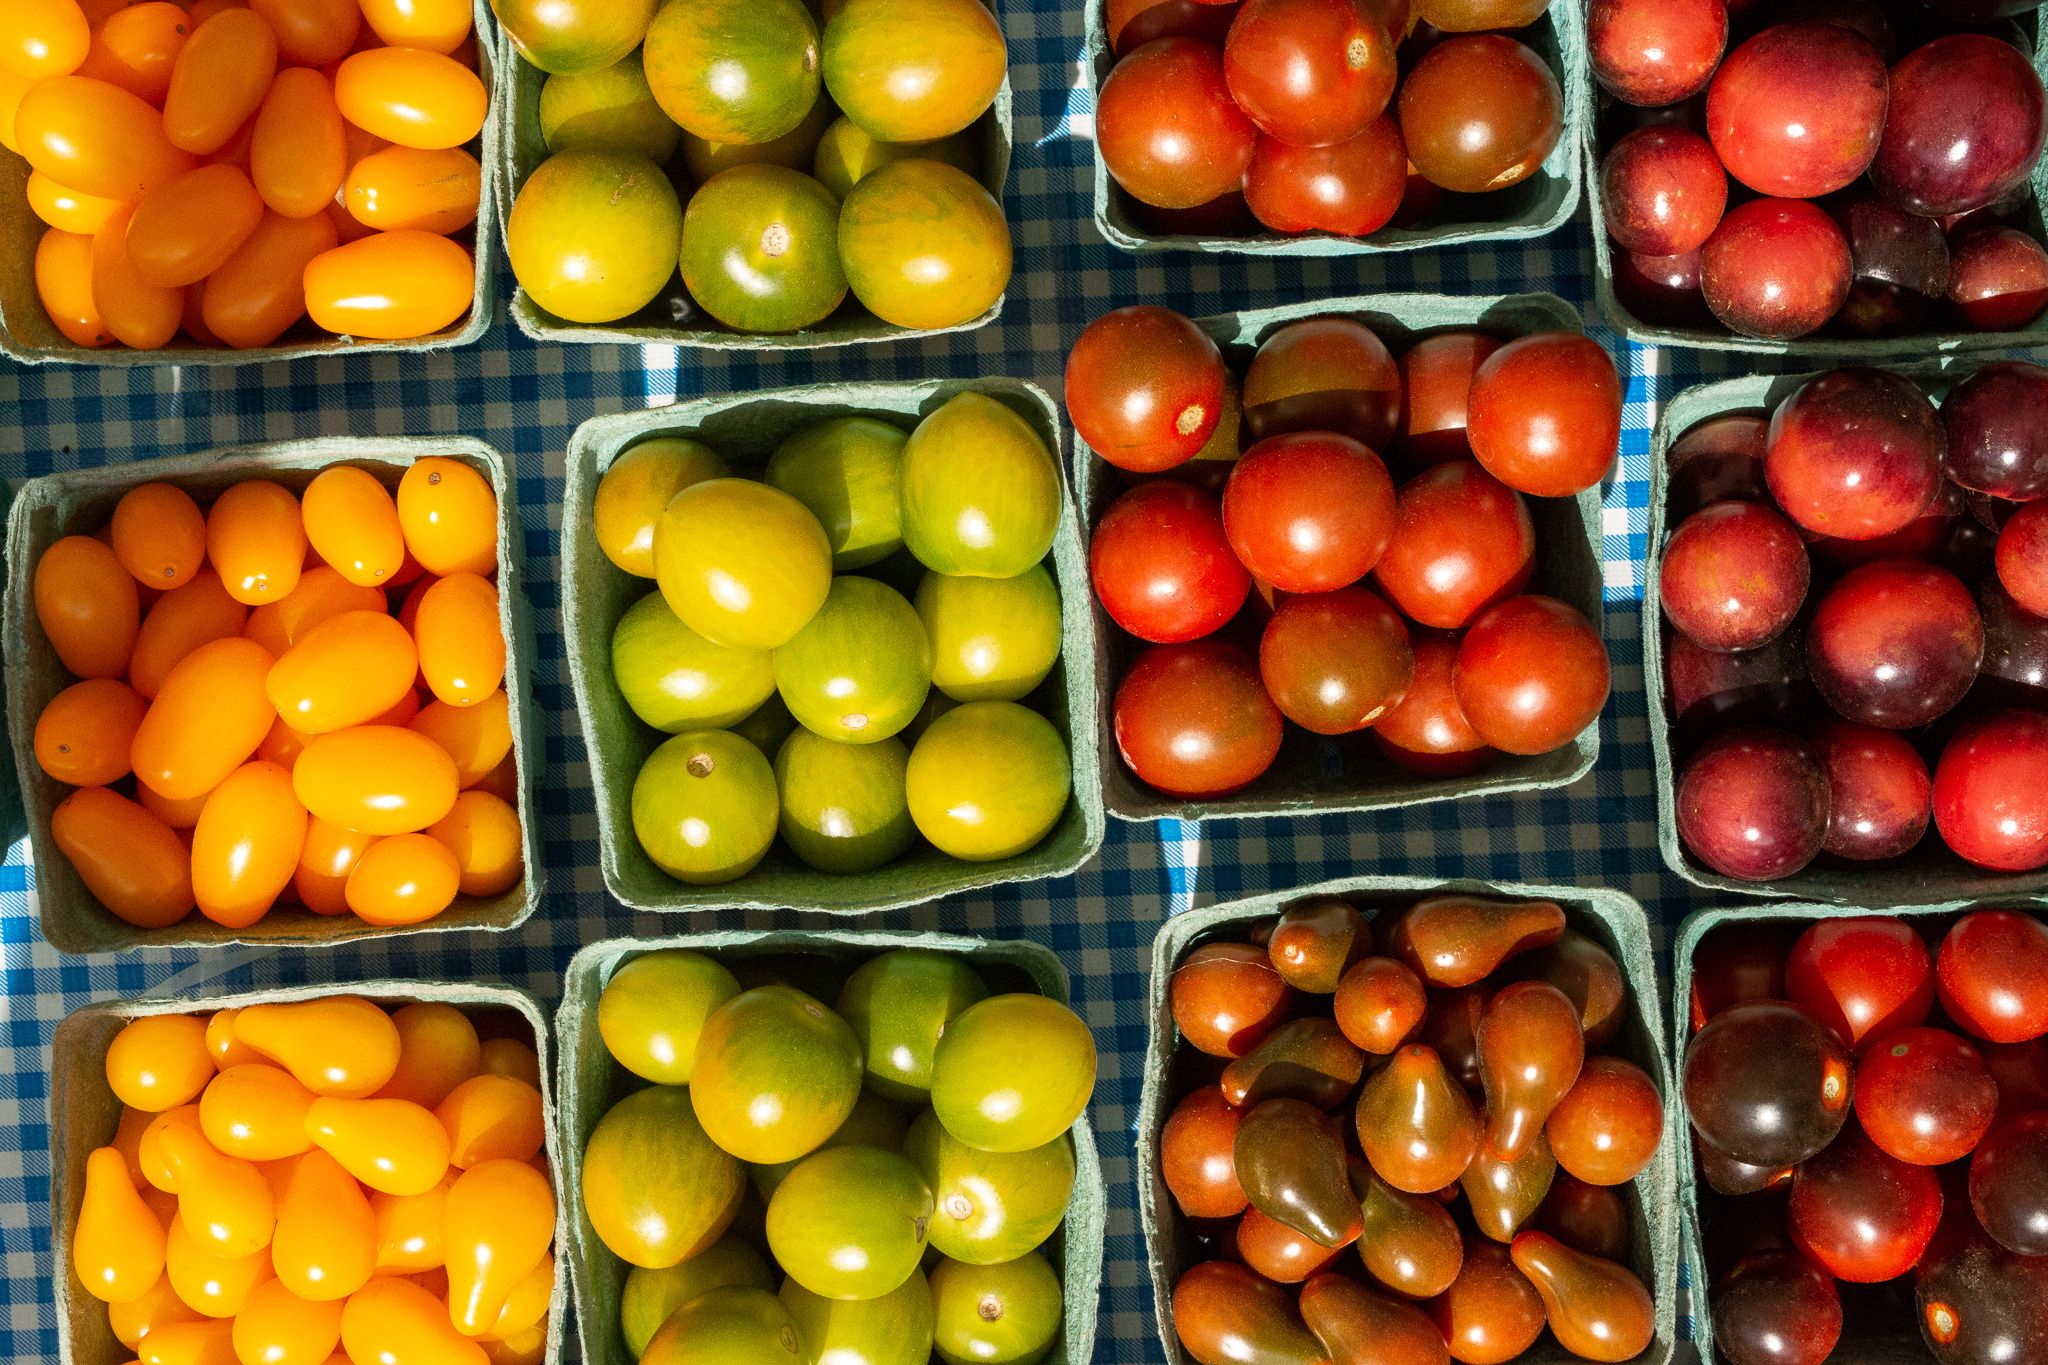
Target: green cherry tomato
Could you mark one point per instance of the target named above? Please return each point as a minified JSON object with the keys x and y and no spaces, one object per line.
{"x":704,"y":807}
{"x":874,"y":1122}
{"x":988,"y":780}
{"x":859,"y":669}
{"x":654,"y":1007}
{"x":846,"y":154}
{"x":843,"y":805}
{"x":651,"y":1295}
{"x":633,"y":492}
{"x":759,"y":249}
{"x":923,"y":245}
{"x":593,"y":235}
{"x":990,"y":1207}
{"x":562,"y":38}
{"x":734,"y":70}
{"x":675,"y":679}
{"x":895,"y":1329}
{"x":1013,"y":1073}
{"x":744,"y":565}
{"x":849,"y":472}
{"x":897,"y":1004}
{"x":1007,"y":1314}
{"x":610,"y":108}
{"x":981,"y":494}
{"x":777,"y":1073}
{"x":912,"y":73}
{"x":993,"y":639}
{"x":850,"y":1222}
{"x":796,"y":149}
{"x":733,"y":1325}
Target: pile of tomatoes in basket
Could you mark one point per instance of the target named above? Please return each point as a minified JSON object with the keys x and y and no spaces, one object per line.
{"x":1891,"y":560}
{"x":1445,"y":656}
{"x":228,"y":170}
{"x":1870,"y":1112}
{"x":259,"y":733}
{"x":1889,"y":148}
{"x":1289,"y":107}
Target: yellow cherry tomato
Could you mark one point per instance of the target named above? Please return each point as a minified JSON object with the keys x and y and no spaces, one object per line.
{"x":330,"y":854}
{"x":393,"y":1146}
{"x":159,"y":1062}
{"x":142,"y":315}
{"x":206,"y":719}
{"x":65,"y":208}
{"x":322,"y":595}
{"x":461,"y":642}
{"x":136,"y":47}
{"x":393,"y":1319}
{"x":406,"y":879}
{"x":149,"y":1154}
{"x":326,"y":1243}
{"x":449,"y":515}
{"x":339,"y":1045}
{"x":227,"y":1049}
{"x":43,"y":38}
{"x":482,"y":831}
{"x":352,"y":523}
{"x":437,"y":1051}
{"x":256,"y":297}
{"x":491,"y":1118}
{"x":117,"y":1246}
{"x":256,"y":1111}
{"x":378,"y":779}
{"x":433,"y":25}
{"x":12,"y":88}
{"x":298,"y":150}
{"x":256,"y":541}
{"x":392,"y":286}
{"x":346,"y":671}
{"x":219,"y":80}
{"x":88,"y":607}
{"x":499,"y":1221}
{"x":246,"y":845}
{"x":311,"y":32}
{"x":412,"y":97}
{"x":131,"y":861}
{"x":277,"y":1327}
{"x":477,"y":737}
{"x":510,"y":1057}
{"x":97,"y":138}
{"x":192,"y":225}
{"x":182,"y":620}
{"x":282,"y":745}
{"x":635,"y":489}
{"x":160,"y":1306}
{"x":64,"y":285}
{"x":159,"y":535}
{"x":405,"y":187}
{"x":208,"y":1283}
{"x":83,"y":735}
{"x":409,"y":1228}
{"x":202,"y":10}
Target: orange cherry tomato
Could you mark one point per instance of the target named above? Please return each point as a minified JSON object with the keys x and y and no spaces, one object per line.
{"x":449,"y":515}
{"x":346,"y":671}
{"x":139,"y":314}
{"x":330,"y":854}
{"x":406,"y":879}
{"x":63,"y":207}
{"x":491,"y":1118}
{"x":311,"y":32}
{"x":404,"y":711}
{"x":43,"y":38}
{"x":236,"y":150}
{"x":482,"y":831}
{"x":255,"y":1111}
{"x":282,"y":745}
{"x":202,"y":10}
{"x":477,"y":737}
{"x":177,"y":814}
{"x":64,"y":284}
{"x":88,"y":607}
{"x":298,"y":153}
{"x":12,"y":88}
{"x":189,"y":226}
{"x":182,"y":620}
{"x":82,"y":736}
{"x":379,"y":779}
{"x":257,"y":296}
{"x":404,"y":187}
{"x":97,"y":138}
{"x":409,"y":1228}
{"x":247,"y":844}
{"x":227,"y":1049}
{"x":136,"y":47}
{"x":409,"y":611}
{"x":412,"y":97}
{"x":461,"y":642}
{"x":434,"y":25}
{"x":193,"y":322}
{"x":391,"y":287}
{"x":256,"y":541}
{"x":322,"y":595}
{"x":347,"y":227}
{"x":277,"y":1327}
{"x":206,"y":720}
{"x":210,"y":1283}
{"x":159,"y":535}
{"x":132,"y":862}
{"x":219,"y":80}
{"x":502,"y":781}
{"x":352,"y":522}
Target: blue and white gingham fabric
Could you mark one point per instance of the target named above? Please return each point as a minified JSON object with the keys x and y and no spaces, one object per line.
{"x":526,"y":399}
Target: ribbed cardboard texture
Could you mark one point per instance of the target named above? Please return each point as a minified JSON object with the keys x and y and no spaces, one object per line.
{"x":1872,"y":1334}
{"x":12,"y":822}
{"x":1539,"y":205}
{"x":673,"y":318}
{"x":1612,"y":920}
{"x":27,"y":334}
{"x":591,"y":1082}
{"x":84,"y":1113}
{"x":1820,"y":345}
{"x":1319,"y":775}
{"x":1925,"y":876}
{"x":79,"y":502}
{"x":596,"y":592}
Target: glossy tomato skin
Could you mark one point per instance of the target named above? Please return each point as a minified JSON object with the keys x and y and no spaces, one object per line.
{"x":1194,"y":720}
{"x":1169,"y":131}
{"x":1775,"y":268}
{"x":1752,"y":804}
{"x":1545,"y":414}
{"x":1991,"y":790}
{"x":1733,"y":575}
{"x":1427,"y":726}
{"x":1133,"y":23}
{"x":1436,"y":388}
{"x":1311,"y":73}
{"x":1881,"y":795}
{"x":1797,"y":110}
{"x":1324,"y":374}
{"x":1161,"y":565}
{"x":1336,"y":662}
{"x":1663,"y":191}
{"x":1145,"y":388}
{"x":1656,"y":52}
{"x":1351,"y":188}
{"x":1462,"y":541}
{"x":1924,"y":1095}
{"x":1992,"y":975}
{"x":1309,"y":511}
{"x":1863,"y":1214}
{"x":1480,"y":112}
{"x":1861,"y":977}
{"x":1531,"y":674}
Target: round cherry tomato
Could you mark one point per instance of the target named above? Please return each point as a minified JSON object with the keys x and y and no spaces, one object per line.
{"x":1194,"y":720}
{"x":1145,"y":388}
{"x":1169,"y":131}
{"x":1427,"y":724}
{"x":1531,"y":674}
{"x":219,"y":80}
{"x":329,"y":855}
{"x":1162,"y":566}
{"x":1545,"y":414}
{"x":1436,"y":384}
{"x":1992,"y":975}
{"x":1329,"y":374}
{"x":298,"y":150}
{"x":1924,"y":1095}
{"x":1991,"y":790}
{"x":1335,"y":662}
{"x":392,"y":286}
{"x":411,"y":97}
{"x":1309,"y":511}
{"x":482,"y":831}
{"x":477,"y":737}
{"x":1861,"y":977}
{"x":405,"y":879}
{"x":1311,"y":73}
{"x":1462,"y":541}
{"x":1351,"y":188}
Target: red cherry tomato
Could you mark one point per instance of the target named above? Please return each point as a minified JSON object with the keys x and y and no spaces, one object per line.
{"x":1161,"y":565}
{"x":1426,"y":729}
{"x":1861,"y":977}
{"x":1335,"y":662}
{"x":1436,"y":383}
{"x":1144,"y":388}
{"x":1924,"y":1095}
{"x":1992,"y":975}
{"x":1351,"y":188}
{"x":1462,"y":541}
{"x":1531,"y":674}
{"x":1169,"y":131}
{"x":1309,"y":511}
{"x":1545,"y":414}
{"x":1193,"y":720}
{"x":1991,"y":790}
{"x":1309,"y":72}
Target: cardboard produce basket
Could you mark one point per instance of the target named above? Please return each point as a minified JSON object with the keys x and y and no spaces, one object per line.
{"x":80,"y":502}
{"x":1928,"y":874}
{"x":1534,"y":208}
{"x":596,"y":593}
{"x":27,"y":334}
{"x":1612,"y":920}
{"x":84,"y":1113}
{"x":1817,"y":346}
{"x":1321,"y":775}
{"x":591,"y":1082}
{"x":673,"y":318}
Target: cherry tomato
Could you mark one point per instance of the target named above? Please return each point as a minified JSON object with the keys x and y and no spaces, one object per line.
{"x":392,"y":286}
{"x":139,"y":314}
{"x":433,"y":25}
{"x":405,"y":879}
{"x":449,"y":515}
{"x":256,"y":541}
{"x":66,"y":209}
{"x":411,"y":97}
{"x":43,"y":38}
{"x":1462,"y":541}
{"x":1924,"y":1095}
{"x":322,"y":594}
{"x":64,"y":285}
{"x":377,"y":779}
{"x":1310,"y":72}
{"x":1169,"y":131}
{"x":1145,"y":387}
{"x":1426,"y":732}
{"x":1436,"y":382}
{"x":482,"y":831}
{"x":137,"y":46}
{"x":1544,"y":414}
{"x":132,"y":862}
{"x":1309,"y":511}
{"x":311,"y":32}
{"x":219,"y":80}
{"x":329,"y":855}
{"x":246,"y":845}
{"x":87,"y":606}
{"x":298,"y":149}
{"x":177,"y":814}
{"x":205,"y":720}
{"x":96,"y":138}
{"x":1352,"y":188}
{"x":404,"y":187}
{"x":1335,"y":662}
{"x":1992,"y":975}
{"x":1861,"y":977}
{"x":188,"y":227}
{"x":1531,"y":674}
{"x":182,"y":620}
{"x":257,"y":296}
{"x":461,"y":643}
{"x":83,"y":734}
{"x":1194,"y":720}
{"x":1162,"y":566}
{"x":12,"y":88}
{"x":159,"y":535}
{"x":477,"y":737}
{"x":352,"y":524}
{"x":348,"y":670}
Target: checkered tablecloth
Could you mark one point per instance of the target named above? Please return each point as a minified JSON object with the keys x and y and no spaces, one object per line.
{"x":526,"y":399}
